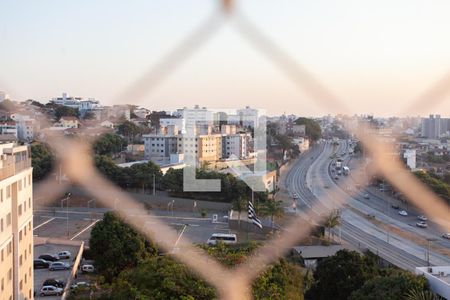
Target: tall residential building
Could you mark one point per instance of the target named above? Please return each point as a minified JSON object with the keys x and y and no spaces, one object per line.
{"x":434,"y":126}
{"x":16,"y":222}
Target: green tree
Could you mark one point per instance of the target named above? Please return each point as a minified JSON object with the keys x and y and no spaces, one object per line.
{"x":420,"y":294}
{"x":129,"y":130}
{"x":42,"y":160}
{"x":239,"y":205}
{"x":336,"y":277}
{"x":65,"y":111}
{"x":391,"y":287}
{"x":438,"y":186}
{"x":331,"y":221}
{"x":272,"y":208}
{"x":108,"y":144}
{"x":142,"y":175}
{"x":283,"y":280}
{"x":312,"y":128}
{"x":160,"y":278}
{"x":115,"y":246}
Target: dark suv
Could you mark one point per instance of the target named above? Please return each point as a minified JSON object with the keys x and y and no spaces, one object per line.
{"x":54,"y":282}
{"x":40,"y":263}
{"x":48,"y":257}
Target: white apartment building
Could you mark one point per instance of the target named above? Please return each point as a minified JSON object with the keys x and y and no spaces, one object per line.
{"x":195,"y":116}
{"x":26,"y":127}
{"x":236,"y":145}
{"x":16,"y":223}
{"x":409,"y":156}
{"x":180,"y":123}
{"x":8,"y":128}
{"x":249,"y":116}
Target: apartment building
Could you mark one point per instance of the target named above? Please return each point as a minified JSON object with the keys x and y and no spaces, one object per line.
{"x":16,"y":222}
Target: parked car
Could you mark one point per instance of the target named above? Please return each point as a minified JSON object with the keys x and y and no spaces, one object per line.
{"x":366,"y":196}
{"x":64,"y":254}
{"x":336,"y":178}
{"x":54,"y":282}
{"x":79,"y":284}
{"x":41,"y":263}
{"x":403,"y":213}
{"x":49,"y":257}
{"x":59,"y":266}
{"x":446,"y":235}
{"x":50,"y":290}
{"x":422,"y":218}
{"x":421,"y":224}
{"x":395,"y":206}
{"x":87,"y":268}
{"x":296,"y":196}
{"x":226,"y":238}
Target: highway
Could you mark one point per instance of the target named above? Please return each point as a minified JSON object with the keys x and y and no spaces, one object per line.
{"x":310,"y":178}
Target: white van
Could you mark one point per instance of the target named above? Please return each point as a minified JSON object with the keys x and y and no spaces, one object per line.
{"x":226,"y":238}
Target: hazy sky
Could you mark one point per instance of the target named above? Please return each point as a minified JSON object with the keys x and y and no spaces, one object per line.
{"x":375,"y":55}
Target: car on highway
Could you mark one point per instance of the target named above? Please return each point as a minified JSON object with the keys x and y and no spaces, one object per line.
{"x":54,"y":282}
{"x":41,"y":264}
{"x":422,"y":218}
{"x":50,"y":290}
{"x":366,"y":196}
{"x":403,"y":213}
{"x":49,"y":257}
{"x":64,"y":254}
{"x":395,"y":206}
{"x":422,"y":224}
{"x":55,"y":266}
{"x":446,"y":235}
{"x":296,"y":196}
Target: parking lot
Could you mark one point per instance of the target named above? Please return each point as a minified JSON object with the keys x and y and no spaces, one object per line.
{"x":40,"y":275}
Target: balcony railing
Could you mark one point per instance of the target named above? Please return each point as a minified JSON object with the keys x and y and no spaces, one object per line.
{"x":11,"y":168}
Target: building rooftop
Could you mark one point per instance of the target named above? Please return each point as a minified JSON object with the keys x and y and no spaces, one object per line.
{"x":313,"y":252}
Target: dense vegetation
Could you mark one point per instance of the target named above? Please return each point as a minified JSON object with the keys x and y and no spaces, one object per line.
{"x":108,"y":144}
{"x":439,"y":186}
{"x":132,"y":268}
{"x":312,"y":128}
{"x":42,"y":160}
{"x":349,"y":275}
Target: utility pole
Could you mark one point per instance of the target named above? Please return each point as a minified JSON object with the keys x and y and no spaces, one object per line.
{"x":154,"y":188}
{"x":67,"y":211}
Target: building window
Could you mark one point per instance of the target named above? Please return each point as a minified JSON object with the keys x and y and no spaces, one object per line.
{"x":20,"y":263}
{"x":3,"y":255}
{"x":10,"y":274}
{"x":8,"y":191}
{"x":20,"y":235}
{"x":3,"y":284}
{"x":1,"y":225}
{"x":20,"y":184}
{"x":1,"y":195}
{"x":9,"y":249}
{"x":29,"y":202}
{"x":20,"y":209}
{"x":8,"y":219}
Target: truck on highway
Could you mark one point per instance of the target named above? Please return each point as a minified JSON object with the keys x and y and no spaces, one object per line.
{"x":346,"y":170}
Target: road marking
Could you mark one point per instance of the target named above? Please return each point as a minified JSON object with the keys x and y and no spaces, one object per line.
{"x":62,"y":218}
{"x":42,"y":224}
{"x":87,"y":227}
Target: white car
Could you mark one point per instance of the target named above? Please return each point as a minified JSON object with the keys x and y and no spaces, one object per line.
{"x":403,"y":213}
{"x":226,"y":238}
{"x":296,"y":196}
{"x":79,"y":284}
{"x":64,"y":254}
{"x":421,"y":224}
{"x":422,"y":218}
{"x":49,"y":290}
{"x":87,"y":268}
{"x":366,"y":196}
{"x":446,"y":235}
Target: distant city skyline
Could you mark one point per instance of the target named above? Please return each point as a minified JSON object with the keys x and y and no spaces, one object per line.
{"x":377,"y":56}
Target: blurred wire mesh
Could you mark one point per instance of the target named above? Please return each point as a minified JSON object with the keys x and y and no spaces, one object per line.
{"x":75,"y":160}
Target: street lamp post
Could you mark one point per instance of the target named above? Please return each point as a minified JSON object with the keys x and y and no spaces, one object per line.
{"x":67,"y":211}
{"x":88,"y":205}
{"x":429,"y":240}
